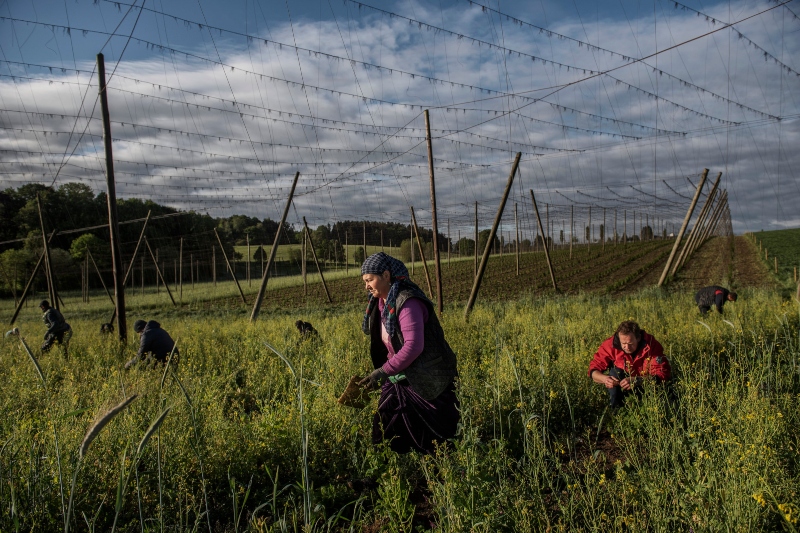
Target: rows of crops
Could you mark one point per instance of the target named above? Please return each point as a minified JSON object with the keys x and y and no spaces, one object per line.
{"x":535,"y":450}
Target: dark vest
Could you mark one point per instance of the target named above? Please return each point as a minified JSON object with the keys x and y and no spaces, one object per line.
{"x":435,"y":368}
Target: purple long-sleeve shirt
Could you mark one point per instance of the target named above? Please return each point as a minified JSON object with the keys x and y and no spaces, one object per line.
{"x":411,"y":319}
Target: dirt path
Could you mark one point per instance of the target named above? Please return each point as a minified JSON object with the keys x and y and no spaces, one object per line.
{"x":717,"y":264}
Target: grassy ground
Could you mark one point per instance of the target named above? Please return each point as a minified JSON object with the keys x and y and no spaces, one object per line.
{"x":783,"y":244}
{"x":249,"y":442}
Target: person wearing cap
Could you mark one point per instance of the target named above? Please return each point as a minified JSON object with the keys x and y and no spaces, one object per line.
{"x":713,"y":295}
{"x":415,"y":368}
{"x":153,"y":342}
{"x":58,"y":330}
{"x":625,"y":360}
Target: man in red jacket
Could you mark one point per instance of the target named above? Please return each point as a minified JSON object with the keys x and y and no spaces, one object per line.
{"x":629,"y":356}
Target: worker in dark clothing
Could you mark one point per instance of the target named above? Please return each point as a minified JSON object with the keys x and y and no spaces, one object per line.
{"x":57,"y":328}
{"x":154,"y":343}
{"x":713,"y":296}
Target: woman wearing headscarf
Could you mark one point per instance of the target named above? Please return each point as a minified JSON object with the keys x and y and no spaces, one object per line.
{"x":415,"y":368}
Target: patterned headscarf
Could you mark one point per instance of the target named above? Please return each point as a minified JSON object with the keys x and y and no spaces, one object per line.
{"x":377,"y":264}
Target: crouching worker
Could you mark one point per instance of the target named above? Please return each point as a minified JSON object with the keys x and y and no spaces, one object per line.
{"x":154,"y":343}
{"x":713,"y":296}
{"x":58,"y":330}
{"x":625,"y":360}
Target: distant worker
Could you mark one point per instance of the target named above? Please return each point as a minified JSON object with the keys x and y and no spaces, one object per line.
{"x":629,"y":357}
{"x":713,"y":295}
{"x":154,"y":343}
{"x":57,"y":328}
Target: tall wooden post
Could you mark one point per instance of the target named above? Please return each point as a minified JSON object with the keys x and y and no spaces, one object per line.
{"x":214,"y":264}
{"x":516,"y":240}
{"x":48,"y":265}
{"x":603,"y":233}
{"x":191,"y":269}
{"x":159,"y":275}
{"x":411,"y":245}
{"x":24,"y":295}
{"x":346,"y":253}
{"x":303,"y":263}
{"x":111,"y":196}
{"x":476,"y":242}
{"x":180,"y":270}
{"x":589,"y":229}
{"x":698,"y":229}
{"x":316,"y":261}
{"x":263,"y":288}
{"x":546,"y":244}
{"x":449,"y":242}
{"x":625,"y":227}
{"x":547,"y":217}
{"x":434,"y":223}
{"x":571,"y":228}
{"x":683,"y":228}
{"x":364,"y":230}
{"x":230,"y":268}
{"x":615,"y":226}
{"x":249,"y":260}
{"x":485,"y":259}
{"x":421,"y":252}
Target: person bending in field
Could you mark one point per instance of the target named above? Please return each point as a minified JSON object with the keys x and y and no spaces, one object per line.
{"x":713,"y":296}
{"x":415,"y":367}
{"x":625,"y":360}
{"x":154,"y":343}
{"x":58,"y":330}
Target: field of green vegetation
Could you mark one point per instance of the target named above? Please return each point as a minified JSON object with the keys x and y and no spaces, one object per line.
{"x":785,"y":245}
{"x":245,"y":433}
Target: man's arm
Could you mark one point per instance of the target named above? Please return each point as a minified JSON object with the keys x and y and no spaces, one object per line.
{"x":607,"y":381}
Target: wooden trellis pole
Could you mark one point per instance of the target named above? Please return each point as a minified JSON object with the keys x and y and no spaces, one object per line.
{"x":103,"y":283}
{"x":475,"y":269}
{"x":48,"y":265}
{"x":28,"y":285}
{"x":436,"y":257}
{"x":546,"y":244}
{"x":263,"y":288}
{"x":516,"y":240}
{"x":111,"y":197}
{"x":228,"y":263}
{"x":421,"y":252}
{"x":683,"y":228}
{"x":159,"y":275}
{"x":485,"y":259}
{"x":316,"y":261}
{"x":699,"y":224}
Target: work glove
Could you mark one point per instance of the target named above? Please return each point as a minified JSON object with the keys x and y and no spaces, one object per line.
{"x":374,"y":380}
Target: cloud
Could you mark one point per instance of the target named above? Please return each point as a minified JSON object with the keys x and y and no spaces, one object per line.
{"x":219,"y":122}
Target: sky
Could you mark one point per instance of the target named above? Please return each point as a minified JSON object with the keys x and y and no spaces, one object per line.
{"x":616,"y":107}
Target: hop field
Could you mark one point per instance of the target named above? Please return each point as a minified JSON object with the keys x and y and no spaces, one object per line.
{"x":239,"y":437}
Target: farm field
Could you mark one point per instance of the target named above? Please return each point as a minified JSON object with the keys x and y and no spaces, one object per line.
{"x":783,"y":244}
{"x":718,"y":450}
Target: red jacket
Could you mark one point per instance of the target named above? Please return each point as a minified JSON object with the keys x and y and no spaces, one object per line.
{"x":647,"y":360}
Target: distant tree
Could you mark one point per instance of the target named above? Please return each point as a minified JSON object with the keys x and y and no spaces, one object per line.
{"x":358,"y":255}
{"x":561,"y":237}
{"x":646,"y":233}
{"x":99,"y":248}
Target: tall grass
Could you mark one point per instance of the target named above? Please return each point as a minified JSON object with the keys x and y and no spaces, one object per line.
{"x":717,"y":450}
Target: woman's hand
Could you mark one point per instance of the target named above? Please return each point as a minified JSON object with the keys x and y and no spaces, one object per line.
{"x":374,"y":380}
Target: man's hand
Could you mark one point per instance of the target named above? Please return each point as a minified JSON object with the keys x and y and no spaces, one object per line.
{"x":630,"y":383}
{"x":374,"y":380}
{"x":608,"y":382}
{"x":130,"y":363}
